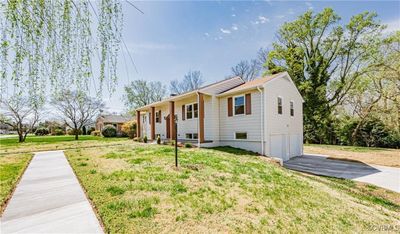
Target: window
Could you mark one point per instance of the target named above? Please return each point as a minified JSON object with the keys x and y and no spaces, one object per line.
{"x":191,"y":136}
{"x":279,"y":105}
{"x":239,"y":105}
{"x":240,"y":135}
{"x":158,"y":117}
{"x":192,"y":111}
{"x":195,"y":110}
{"x":291,"y":108}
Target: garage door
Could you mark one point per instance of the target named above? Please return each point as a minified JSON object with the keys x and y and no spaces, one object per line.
{"x":295,"y":145}
{"x":278,"y":146}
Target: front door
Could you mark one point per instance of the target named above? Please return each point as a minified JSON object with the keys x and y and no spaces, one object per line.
{"x":168,"y":127}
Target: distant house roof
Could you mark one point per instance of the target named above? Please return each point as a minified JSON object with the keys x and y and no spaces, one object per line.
{"x":115,"y":118}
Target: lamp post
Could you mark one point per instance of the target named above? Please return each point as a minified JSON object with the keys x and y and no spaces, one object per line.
{"x":176,"y":140}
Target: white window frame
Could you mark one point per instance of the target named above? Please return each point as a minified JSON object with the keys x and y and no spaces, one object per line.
{"x":186,"y":110}
{"x":291,"y":107}
{"x":234,"y":135}
{"x":244,"y":105}
{"x":277,"y":105}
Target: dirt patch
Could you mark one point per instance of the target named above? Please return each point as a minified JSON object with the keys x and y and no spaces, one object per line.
{"x":389,"y":157}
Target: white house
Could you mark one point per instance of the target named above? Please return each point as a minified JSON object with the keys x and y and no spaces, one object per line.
{"x":264,"y":115}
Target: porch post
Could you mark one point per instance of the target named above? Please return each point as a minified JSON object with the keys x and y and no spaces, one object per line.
{"x":201,"y":117}
{"x":137,"y":123}
{"x":172,"y":120}
{"x":153,"y":123}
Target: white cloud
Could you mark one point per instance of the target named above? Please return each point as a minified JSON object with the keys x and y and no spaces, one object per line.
{"x":233,"y":15}
{"x":255,"y":22}
{"x":226,"y":31}
{"x":206,"y":34}
{"x":392,"y":25}
{"x":310,"y":6}
{"x":235,"y":27}
{"x":280,"y":16}
{"x":263,"y":19}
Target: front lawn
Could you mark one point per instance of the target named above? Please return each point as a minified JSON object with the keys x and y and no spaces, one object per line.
{"x":369,"y":155}
{"x":43,"y":143}
{"x":11,"y":168}
{"x":136,"y":188}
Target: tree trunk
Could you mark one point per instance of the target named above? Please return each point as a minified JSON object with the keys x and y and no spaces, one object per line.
{"x":20,"y":137}
{"x":76,"y":135}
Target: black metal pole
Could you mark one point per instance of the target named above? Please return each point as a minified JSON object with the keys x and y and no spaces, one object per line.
{"x":176,"y":143}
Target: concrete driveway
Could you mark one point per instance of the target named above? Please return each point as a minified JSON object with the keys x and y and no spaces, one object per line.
{"x":385,"y":177}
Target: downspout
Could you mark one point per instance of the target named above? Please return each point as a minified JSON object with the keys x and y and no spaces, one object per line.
{"x":198,"y":119}
{"x":262,"y":119}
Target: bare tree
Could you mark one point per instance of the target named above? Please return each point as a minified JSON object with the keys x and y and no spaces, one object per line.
{"x":191,"y":81}
{"x":247,"y":70}
{"x":141,"y":92}
{"x":262,"y":56}
{"x":77,"y":109}
{"x":20,"y":114}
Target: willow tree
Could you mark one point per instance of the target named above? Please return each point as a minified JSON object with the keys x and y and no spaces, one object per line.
{"x":49,"y":45}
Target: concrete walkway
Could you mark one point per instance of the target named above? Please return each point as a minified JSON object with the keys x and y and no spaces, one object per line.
{"x":49,"y":199}
{"x":385,"y":177}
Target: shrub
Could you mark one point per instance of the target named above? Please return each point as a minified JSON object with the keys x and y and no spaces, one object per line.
{"x":145,"y":139}
{"x":90,"y":130}
{"x":129,"y":128}
{"x":41,"y":132}
{"x":95,"y":133}
{"x":158,"y":140}
{"x":73,"y":131}
{"x":58,"y":132}
{"x":188,"y":145}
{"x":109,"y":131}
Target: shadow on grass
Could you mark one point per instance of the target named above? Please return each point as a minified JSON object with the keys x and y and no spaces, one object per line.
{"x":232,"y":150}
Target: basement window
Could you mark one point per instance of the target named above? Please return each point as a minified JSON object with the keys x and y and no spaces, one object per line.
{"x":191,"y":136}
{"x":240,"y":135}
{"x":279,"y":105}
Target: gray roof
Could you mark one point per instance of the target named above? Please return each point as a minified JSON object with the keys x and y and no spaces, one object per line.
{"x":115,"y":118}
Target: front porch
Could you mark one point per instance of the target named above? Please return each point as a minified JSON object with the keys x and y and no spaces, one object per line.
{"x":158,"y":119}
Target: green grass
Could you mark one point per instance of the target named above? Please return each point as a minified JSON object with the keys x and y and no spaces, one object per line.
{"x":13,"y":141}
{"x":349,"y":148}
{"x":136,"y":188}
{"x":11,"y":168}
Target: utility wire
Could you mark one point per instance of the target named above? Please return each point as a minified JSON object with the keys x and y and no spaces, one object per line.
{"x":134,"y":6}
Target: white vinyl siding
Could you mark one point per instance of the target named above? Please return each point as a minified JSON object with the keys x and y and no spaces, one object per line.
{"x":241,"y":123}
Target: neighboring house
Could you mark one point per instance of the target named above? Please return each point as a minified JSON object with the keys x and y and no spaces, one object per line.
{"x":116,"y":120}
{"x":264,"y":115}
{"x":5,"y":129}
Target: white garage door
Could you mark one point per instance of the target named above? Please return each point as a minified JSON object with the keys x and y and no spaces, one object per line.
{"x":278,"y":146}
{"x":295,"y":145}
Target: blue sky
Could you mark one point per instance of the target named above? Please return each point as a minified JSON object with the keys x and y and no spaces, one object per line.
{"x":171,"y":38}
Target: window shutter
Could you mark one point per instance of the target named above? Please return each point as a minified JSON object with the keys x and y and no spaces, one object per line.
{"x":230,"y":106}
{"x":248,"y":103}
{"x":159,"y":116}
{"x":183,"y":112}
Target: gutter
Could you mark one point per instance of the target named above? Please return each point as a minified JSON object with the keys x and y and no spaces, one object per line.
{"x":198,"y":118}
{"x":262,"y":119}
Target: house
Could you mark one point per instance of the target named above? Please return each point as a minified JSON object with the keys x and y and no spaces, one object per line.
{"x":116,"y":120}
{"x":264,"y":115}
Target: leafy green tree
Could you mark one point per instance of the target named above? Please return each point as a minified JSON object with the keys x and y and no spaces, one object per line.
{"x":324,"y":58}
